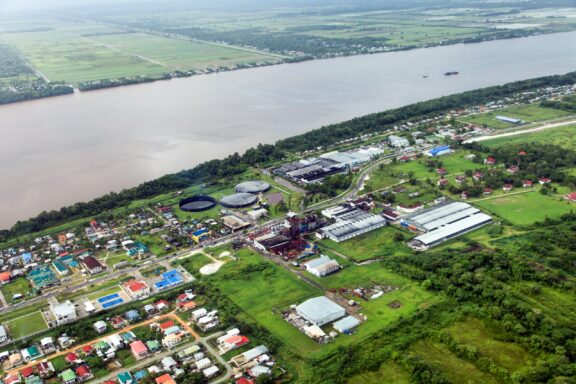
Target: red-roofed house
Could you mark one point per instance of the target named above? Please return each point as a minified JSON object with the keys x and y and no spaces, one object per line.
{"x":187,"y":306}
{"x":544,"y":180}
{"x":167,"y":324}
{"x":45,"y":369}
{"x":234,"y":342}
{"x":5,"y":277}
{"x":136,"y":289}
{"x":527,"y":183}
{"x":92,"y":265}
{"x":513,"y":169}
{"x":477,"y":176}
{"x":244,"y":380}
{"x":487,"y":191}
{"x":139,"y":350}
{"x":491,"y":160}
{"x":442,"y":182}
{"x":441,"y":171}
{"x":88,"y":350}
{"x":571,"y":196}
{"x":83,"y":373}
{"x":27,"y":372}
{"x":12,"y":379}
{"x":72,"y":358}
{"x":165,"y":379}
{"x":507,"y":187}
{"x":117,"y":322}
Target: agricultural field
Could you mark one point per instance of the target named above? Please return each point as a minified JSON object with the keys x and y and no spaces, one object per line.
{"x":526,"y":208}
{"x":81,"y":51}
{"x":453,"y":368}
{"x":26,"y":325}
{"x":17,"y":286}
{"x":528,"y":113}
{"x":474,"y":332}
{"x":323,"y":31}
{"x":376,"y":244}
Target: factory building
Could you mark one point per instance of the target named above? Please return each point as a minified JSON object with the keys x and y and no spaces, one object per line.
{"x":444,"y":222}
{"x":350,"y":222}
{"x":320,"y":311}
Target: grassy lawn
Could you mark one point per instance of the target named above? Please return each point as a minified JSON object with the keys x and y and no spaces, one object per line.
{"x":454,"y":163}
{"x":563,"y":136}
{"x":528,"y":113}
{"x":378,"y":243}
{"x":507,"y":355}
{"x":526,"y":208}
{"x":195,"y":262}
{"x":454,"y":369}
{"x":388,"y":373}
{"x":26,"y":325}
{"x":17,"y":286}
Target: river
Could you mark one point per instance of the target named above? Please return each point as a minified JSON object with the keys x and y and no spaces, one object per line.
{"x":65,"y":149}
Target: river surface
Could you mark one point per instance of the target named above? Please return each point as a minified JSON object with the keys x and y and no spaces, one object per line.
{"x":60,"y":150}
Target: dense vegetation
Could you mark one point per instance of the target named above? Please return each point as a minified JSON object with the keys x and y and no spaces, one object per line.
{"x":264,"y":154}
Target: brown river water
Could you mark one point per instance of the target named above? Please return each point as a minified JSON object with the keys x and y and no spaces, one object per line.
{"x":61,"y":150}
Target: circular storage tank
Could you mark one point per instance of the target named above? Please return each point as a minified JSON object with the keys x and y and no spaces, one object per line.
{"x":252,"y":186}
{"x":238,"y":200}
{"x":197,"y":203}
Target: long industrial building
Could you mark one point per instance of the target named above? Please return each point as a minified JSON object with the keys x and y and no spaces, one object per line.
{"x":347,"y":229}
{"x":444,"y":222}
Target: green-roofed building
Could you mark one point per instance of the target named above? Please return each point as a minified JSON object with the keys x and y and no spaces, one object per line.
{"x":153,"y":345}
{"x":33,"y":380}
{"x":68,"y":377}
{"x":101,"y":345}
{"x":125,"y":378}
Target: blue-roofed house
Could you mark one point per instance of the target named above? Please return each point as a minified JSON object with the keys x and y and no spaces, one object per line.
{"x":133,"y":315}
{"x":439,"y":151}
{"x":60,"y":268}
{"x":26,"y":258}
{"x":139,"y":375}
{"x":199,"y":235}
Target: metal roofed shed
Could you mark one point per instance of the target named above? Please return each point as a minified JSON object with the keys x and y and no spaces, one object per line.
{"x":346,"y":325}
{"x":452,"y":230}
{"x":252,"y":186}
{"x":239,"y":200}
{"x":347,"y":229}
{"x":320,"y":310}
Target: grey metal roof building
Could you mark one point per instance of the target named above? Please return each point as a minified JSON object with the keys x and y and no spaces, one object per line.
{"x":346,"y":324}
{"x":320,"y":310}
{"x":454,"y":229}
{"x":252,"y":186}
{"x":347,"y":229}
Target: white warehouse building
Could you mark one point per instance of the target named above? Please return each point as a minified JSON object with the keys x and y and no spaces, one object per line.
{"x":320,"y":311}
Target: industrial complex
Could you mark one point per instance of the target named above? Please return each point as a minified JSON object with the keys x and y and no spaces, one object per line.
{"x":350,"y":222}
{"x":444,"y":222}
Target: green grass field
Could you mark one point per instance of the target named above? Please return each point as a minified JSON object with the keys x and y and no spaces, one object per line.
{"x":527,"y":113}
{"x":375,"y":244}
{"x":507,"y":355}
{"x":26,"y":325}
{"x":17,"y":286}
{"x":563,"y":136}
{"x":454,"y":369}
{"x":526,"y":208}
{"x":388,"y":373}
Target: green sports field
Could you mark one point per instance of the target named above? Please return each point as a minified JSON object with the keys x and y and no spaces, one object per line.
{"x":26,"y":325}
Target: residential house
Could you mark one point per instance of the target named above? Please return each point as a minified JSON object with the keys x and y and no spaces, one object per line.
{"x":72,"y":358}
{"x":12,"y":379}
{"x":132,"y":315}
{"x":491,"y":160}
{"x":45,"y":369}
{"x":168,"y":363}
{"x":68,"y":377}
{"x":507,"y":187}
{"x":165,"y":379}
{"x":187,"y":306}
{"x":83,"y":373}
{"x":100,"y":326}
{"x":3,"y":334}
{"x":544,"y":180}
{"x":477,"y":176}
{"x":31,"y":353}
{"x":5,"y":277}
{"x":88,"y":350}
{"x":210,"y":371}
{"x":513,"y":169}
{"x":139,"y":350}
{"x":527,"y":183}
{"x":153,"y":345}
{"x":162,"y":305}
{"x":118,"y":322}
{"x":203,"y":363}
{"x":125,"y":378}
{"x":173,"y":339}
{"x":48,"y":345}
{"x":14,"y":360}
{"x":92,"y":265}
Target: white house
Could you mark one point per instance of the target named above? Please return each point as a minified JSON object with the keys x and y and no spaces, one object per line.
{"x":64,"y":313}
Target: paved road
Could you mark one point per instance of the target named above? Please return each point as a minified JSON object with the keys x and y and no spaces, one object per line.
{"x":540,"y":127}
